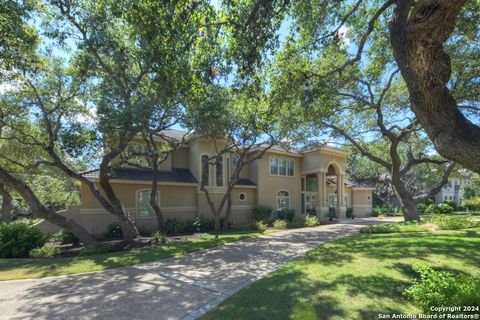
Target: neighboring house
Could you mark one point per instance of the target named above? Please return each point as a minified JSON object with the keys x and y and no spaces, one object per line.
{"x":308,"y":182}
{"x":451,"y":190}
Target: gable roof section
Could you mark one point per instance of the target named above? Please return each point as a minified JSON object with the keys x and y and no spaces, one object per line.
{"x":178,"y":175}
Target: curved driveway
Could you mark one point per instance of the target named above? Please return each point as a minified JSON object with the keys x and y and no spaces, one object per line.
{"x":182,"y":287}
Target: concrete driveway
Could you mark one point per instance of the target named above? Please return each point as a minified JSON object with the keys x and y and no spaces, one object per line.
{"x":183,"y":287}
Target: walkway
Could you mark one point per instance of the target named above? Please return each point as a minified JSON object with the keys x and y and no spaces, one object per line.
{"x":182,"y":287}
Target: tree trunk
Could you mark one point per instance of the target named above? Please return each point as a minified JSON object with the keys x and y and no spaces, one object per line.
{"x":406,"y":201}
{"x":129,"y":230}
{"x":228,"y":213}
{"x":218,"y":224}
{"x":41,"y":211}
{"x":417,"y":41}
{"x":6,"y":205}
{"x":154,"y":196}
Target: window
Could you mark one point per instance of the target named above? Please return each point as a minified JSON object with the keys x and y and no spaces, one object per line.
{"x":290,"y":167}
{"x":283,"y":200}
{"x":205,"y":170}
{"x":143,"y":203}
{"x":282,"y":167}
{"x":219,"y":171}
{"x":242,"y":196}
{"x":273,"y":166}
{"x":235,"y":160}
{"x":312,"y":183}
{"x":369,"y":198}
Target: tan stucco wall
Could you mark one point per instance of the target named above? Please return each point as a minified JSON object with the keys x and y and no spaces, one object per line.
{"x":180,"y":158}
{"x":268,"y":185}
{"x":362,"y":206}
{"x":315,"y":161}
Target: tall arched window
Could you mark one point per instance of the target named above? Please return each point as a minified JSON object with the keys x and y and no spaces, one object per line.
{"x":283,"y":200}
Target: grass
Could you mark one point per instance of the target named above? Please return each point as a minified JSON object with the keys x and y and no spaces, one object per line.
{"x":36,"y":268}
{"x":356,"y":277}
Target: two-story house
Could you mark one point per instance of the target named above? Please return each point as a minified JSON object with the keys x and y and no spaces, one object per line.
{"x":308,"y":182}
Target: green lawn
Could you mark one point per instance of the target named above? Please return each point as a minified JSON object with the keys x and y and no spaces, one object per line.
{"x":37,"y":268}
{"x":356,"y":277}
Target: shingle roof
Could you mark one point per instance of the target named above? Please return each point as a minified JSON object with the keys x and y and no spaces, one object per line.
{"x":128,"y":173}
{"x":245,"y":182}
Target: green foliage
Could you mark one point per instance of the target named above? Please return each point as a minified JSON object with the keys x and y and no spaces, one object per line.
{"x":296,"y":222}
{"x":174,"y":226}
{"x":452,"y":222}
{"x":97,"y":248}
{"x":468,"y":192}
{"x":311,"y":221}
{"x":262,"y":213}
{"x":45,"y":251}
{"x":17,"y":239}
{"x":422,"y":208}
{"x":440,"y":288}
{"x":472,"y":203}
{"x":114,"y":231}
{"x":383,"y":228}
{"x":260,"y":226}
{"x":65,"y":237}
{"x":280,"y":224}
{"x":287,"y":214}
{"x":349,"y":212}
{"x":433,"y":209}
{"x":451,"y":203}
{"x":159,"y":237}
{"x":445,"y":208}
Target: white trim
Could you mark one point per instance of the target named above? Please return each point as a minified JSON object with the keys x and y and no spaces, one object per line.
{"x":245,"y":196}
{"x":160,"y":183}
{"x":244,"y":187}
{"x":362,"y":189}
{"x":339,"y":167}
{"x":276,"y":197}
{"x":278,"y":167}
{"x":328,"y":150}
{"x":362,"y":205}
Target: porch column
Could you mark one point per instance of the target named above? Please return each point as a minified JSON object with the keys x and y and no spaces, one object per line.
{"x":341,"y":209}
{"x":322,"y":194}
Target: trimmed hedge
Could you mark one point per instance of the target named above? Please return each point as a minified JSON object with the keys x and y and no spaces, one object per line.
{"x":17,"y":239}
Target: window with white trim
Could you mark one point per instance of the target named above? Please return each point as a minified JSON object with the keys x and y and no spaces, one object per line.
{"x":143,"y":203}
{"x":282,"y":167}
{"x":235,"y":160}
{"x":283,"y":200}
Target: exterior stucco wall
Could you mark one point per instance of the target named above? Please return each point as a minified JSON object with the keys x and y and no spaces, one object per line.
{"x":362,"y":202}
{"x":180,"y":158}
{"x":319,"y":161}
{"x":269,"y":185}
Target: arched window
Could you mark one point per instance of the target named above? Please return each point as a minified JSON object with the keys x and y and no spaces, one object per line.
{"x":143,"y":203}
{"x":283,"y":200}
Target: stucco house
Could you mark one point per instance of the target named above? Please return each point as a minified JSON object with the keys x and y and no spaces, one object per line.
{"x":308,"y":182}
{"x":451,"y":190}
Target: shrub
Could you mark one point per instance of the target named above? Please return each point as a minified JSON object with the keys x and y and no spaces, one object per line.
{"x":421,"y":208}
{"x":349,"y":212}
{"x":259,"y":225}
{"x":201,"y":224}
{"x":297,"y":222}
{"x":97,"y":248}
{"x":262,"y":213}
{"x":280,"y":224}
{"x":451,"y":203}
{"x":378,"y":211}
{"x":287,"y":214}
{"x":472,"y":203}
{"x":114,"y":231}
{"x":17,"y":239}
{"x":433,"y":209}
{"x":445,"y":208}
{"x":44,"y":252}
{"x":159,"y":237}
{"x":311,"y":221}
{"x":66,"y":237}
{"x":439,"y":288}
{"x":383,"y":228}
{"x":453,"y":223}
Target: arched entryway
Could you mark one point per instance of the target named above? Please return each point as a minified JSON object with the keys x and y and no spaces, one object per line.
{"x":336,"y":189}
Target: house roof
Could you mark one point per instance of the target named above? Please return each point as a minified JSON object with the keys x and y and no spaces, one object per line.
{"x":177,"y":175}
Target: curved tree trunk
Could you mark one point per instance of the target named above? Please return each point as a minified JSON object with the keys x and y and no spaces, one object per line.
{"x":154,"y":196}
{"x":417,"y":38}
{"x":228,"y":213}
{"x":41,"y":211}
{"x":6,"y":205}
{"x":407,"y":202}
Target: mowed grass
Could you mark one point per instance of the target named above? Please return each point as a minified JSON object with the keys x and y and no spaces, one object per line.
{"x":36,"y":268}
{"x":356,"y":277}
